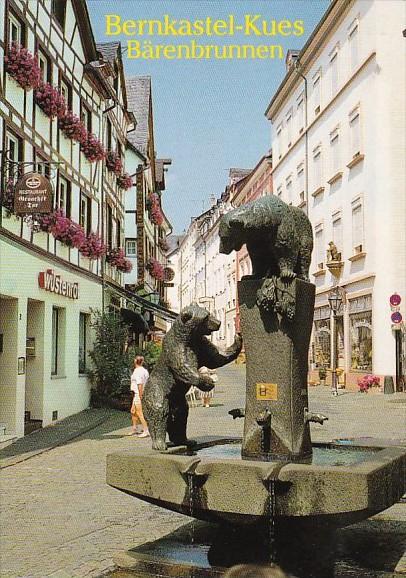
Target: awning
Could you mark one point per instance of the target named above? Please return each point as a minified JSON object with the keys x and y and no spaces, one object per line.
{"x":134,"y":320}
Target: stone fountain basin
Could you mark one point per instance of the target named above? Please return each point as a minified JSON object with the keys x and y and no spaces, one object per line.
{"x":238,"y":491}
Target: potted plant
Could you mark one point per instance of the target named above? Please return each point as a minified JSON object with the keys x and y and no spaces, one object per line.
{"x":92,"y":148}
{"x":93,"y":247}
{"x":155,"y":269}
{"x":50,"y":100}
{"x":72,"y":126}
{"x":124,"y":181}
{"x":322,"y":375}
{"x":114,"y":162}
{"x":366,"y":382}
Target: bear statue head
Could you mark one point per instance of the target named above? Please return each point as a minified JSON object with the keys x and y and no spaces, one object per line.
{"x":231,"y":232}
{"x":198,"y":320}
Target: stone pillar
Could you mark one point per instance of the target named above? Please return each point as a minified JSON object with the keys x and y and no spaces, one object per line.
{"x":277,"y":364}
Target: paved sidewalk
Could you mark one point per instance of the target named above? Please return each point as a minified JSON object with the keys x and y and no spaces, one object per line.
{"x":58,"y":517}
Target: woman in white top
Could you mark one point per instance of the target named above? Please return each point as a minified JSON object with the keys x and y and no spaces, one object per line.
{"x":138,"y":380}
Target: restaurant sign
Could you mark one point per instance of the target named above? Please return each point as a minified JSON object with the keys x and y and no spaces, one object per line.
{"x":32,"y":194}
{"x":49,"y":281}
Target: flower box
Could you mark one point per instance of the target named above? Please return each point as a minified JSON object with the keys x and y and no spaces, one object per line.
{"x":124,"y":181}
{"x":116,"y":258}
{"x":155,"y":269}
{"x":92,"y":148}
{"x":50,"y":100}
{"x":114,"y":162}
{"x":22,"y":66}
{"x":72,"y":127}
{"x":92,"y":247}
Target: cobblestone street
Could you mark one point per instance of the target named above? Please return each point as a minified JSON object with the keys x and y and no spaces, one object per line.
{"x":59,"y":519}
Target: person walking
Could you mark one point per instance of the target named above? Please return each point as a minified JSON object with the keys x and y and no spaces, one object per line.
{"x":206,"y":396}
{"x":138,"y":380}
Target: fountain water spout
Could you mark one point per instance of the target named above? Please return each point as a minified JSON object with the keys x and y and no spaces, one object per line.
{"x":314,"y":417}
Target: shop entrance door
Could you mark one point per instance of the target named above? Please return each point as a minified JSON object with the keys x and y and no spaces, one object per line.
{"x":34,"y":388}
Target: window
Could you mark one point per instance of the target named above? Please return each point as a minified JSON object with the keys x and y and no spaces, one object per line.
{"x":334,"y":72}
{"x":84,"y":323}
{"x":58,"y":10}
{"x":355,"y":131}
{"x":63,"y":197}
{"x":118,"y":234}
{"x":338,"y":231}
{"x":289,"y":189}
{"x":131,"y":247}
{"x":335,"y":151}
{"x":353,"y":45}
{"x":109,"y":226}
{"x":319,"y":245}
{"x":279,"y":135}
{"x":44,"y":64}
{"x":317,"y":92}
{"x":66,"y":91}
{"x":357,"y":225}
{"x":15,"y":30}
{"x":14,"y":151}
{"x":279,"y":191}
{"x":360,"y":310}
{"x":317,"y":167}
{"x":86,"y":116}
{"x":322,"y":340}
{"x":57,"y":341}
{"x":300,"y":113}
{"x":42,"y":166}
{"x":300,"y":178}
{"x":85,"y":212}
{"x":109,"y":135}
{"x":289,"y":127}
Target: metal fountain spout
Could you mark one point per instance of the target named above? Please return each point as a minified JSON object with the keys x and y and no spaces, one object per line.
{"x":314,"y":417}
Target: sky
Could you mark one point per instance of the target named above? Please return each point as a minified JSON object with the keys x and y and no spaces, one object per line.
{"x":208,"y":114}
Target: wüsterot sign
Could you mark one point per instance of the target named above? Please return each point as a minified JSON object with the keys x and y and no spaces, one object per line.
{"x":49,"y":281}
{"x":32,"y":194}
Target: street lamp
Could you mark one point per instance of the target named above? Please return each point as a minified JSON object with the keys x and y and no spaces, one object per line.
{"x":335,"y":301}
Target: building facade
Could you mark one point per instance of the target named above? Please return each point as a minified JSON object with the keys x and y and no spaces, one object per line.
{"x":338,"y":152}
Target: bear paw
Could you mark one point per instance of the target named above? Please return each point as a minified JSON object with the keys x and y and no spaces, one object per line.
{"x":159,"y":445}
{"x":287,"y":274}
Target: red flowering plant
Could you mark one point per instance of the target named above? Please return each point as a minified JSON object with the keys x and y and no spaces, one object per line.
{"x":50,"y":100}
{"x":22,"y":66}
{"x":124,"y":181}
{"x":116,"y":258}
{"x":367,"y":381}
{"x":155,"y":269}
{"x":154,"y":209}
{"x":72,"y":126}
{"x":92,"y":148}
{"x":114,"y":162}
{"x":93,"y":247}
{"x":62,"y":228}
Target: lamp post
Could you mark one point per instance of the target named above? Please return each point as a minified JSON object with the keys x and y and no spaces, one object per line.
{"x":335,"y":301}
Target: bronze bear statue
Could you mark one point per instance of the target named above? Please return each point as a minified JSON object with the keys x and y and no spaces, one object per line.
{"x":185,"y":349}
{"x":278,"y":236}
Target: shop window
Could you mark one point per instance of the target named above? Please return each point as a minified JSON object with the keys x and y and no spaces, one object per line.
{"x":57,"y":345}
{"x":84,"y":325}
{"x":85,"y":212}
{"x":44,"y":63}
{"x":86,"y":116}
{"x":15,"y":29}
{"x":361,"y":339}
{"x":63,"y":197}
{"x":131,"y":247}
{"x":58,"y":11}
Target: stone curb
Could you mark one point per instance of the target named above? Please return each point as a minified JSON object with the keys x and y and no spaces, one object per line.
{"x":61,"y":437}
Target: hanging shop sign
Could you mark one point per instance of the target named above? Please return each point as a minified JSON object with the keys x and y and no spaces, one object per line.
{"x":53,"y":283}
{"x":32,"y":194}
{"x":169,"y":274}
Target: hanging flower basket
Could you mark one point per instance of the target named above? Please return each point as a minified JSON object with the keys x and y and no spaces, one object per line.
{"x":50,"y":100}
{"x":114,"y":162}
{"x":116,"y":258}
{"x":93,"y":247}
{"x":124,"y":181}
{"x":92,"y":148}
{"x":72,"y":127}
{"x":22,"y":66}
{"x":155,"y":269}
